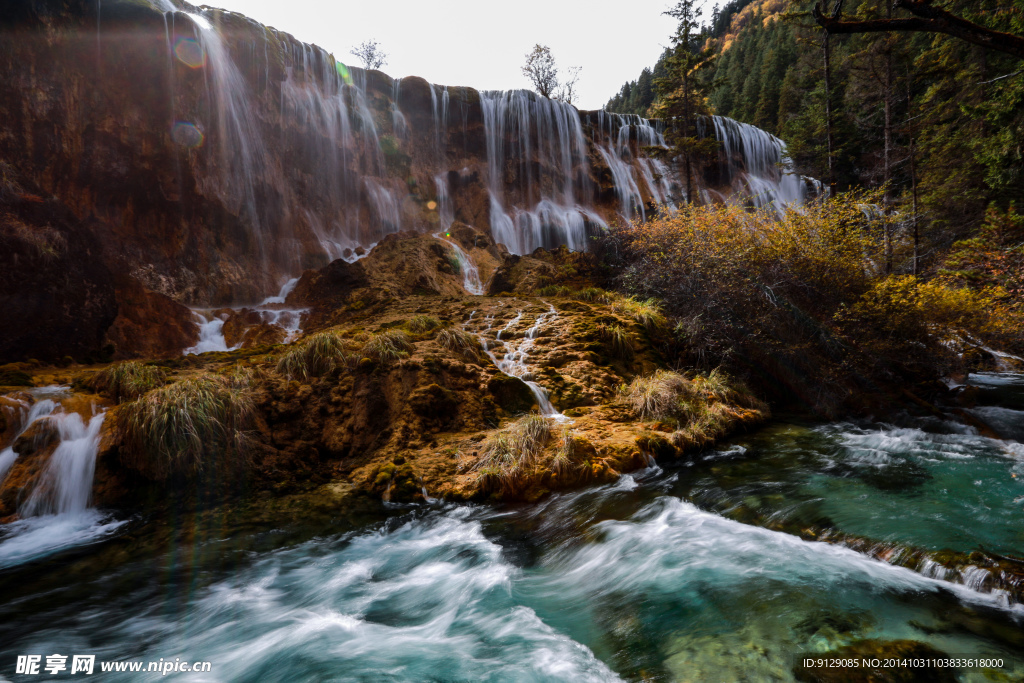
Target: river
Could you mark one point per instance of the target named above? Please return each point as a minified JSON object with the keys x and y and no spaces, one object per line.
{"x":675,"y":573}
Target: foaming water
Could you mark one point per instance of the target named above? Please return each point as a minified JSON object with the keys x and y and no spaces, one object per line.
{"x":56,"y":512}
{"x":211,"y":334}
{"x":513,"y":363}
{"x":616,"y":583}
{"x":651,"y":577}
{"x":33,"y":538}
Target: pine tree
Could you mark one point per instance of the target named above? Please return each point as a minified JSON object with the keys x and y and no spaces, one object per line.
{"x":683,"y":93}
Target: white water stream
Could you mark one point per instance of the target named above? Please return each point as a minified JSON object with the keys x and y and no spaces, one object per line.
{"x":56,"y":513}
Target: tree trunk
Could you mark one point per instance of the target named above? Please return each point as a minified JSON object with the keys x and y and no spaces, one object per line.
{"x":828,"y":115}
{"x":887,"y":153}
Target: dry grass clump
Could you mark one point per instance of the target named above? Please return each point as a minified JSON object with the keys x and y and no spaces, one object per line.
{"x":618,"y":339}
{"x":589,"y":294}
{"x":594,"y":294}
{"x":316,"y":355}
{"x":460,"y":342}
{"x":128,"y":380}
{"x":657,"y":396}
{"x":421,"y":324}
{"x":703,"y":409}
{"x":702,"y":402}
{"x":569,"y":460}
{"x":388,"y":346}
{"x":510,"y":457}
{"x":648,"y":312}
{"x":186,"y":427}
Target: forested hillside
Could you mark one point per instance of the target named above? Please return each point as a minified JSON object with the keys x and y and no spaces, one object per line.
{"x":931,"y":114}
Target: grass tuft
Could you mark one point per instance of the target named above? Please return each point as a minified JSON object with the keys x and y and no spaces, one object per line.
{"x":648,"y":313}
{"x":658,"y":396}
{"x":316,"y":355}
{"x":460,"y":342}
{"x":594,"y":294}
{"x":421,"y":324}
{"x":568,"y":460}
{"x":184,"y":428}
{"x":511,"y":455}
{"x":388,"y":346}
{"x":618,"y":339}
{"x":127,"y":381}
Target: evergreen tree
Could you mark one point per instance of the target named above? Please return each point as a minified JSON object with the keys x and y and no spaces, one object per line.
{"x":683,"y":93}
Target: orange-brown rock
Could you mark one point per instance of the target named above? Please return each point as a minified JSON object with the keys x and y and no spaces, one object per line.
{"x":149,"y":324}
{"x":13,"y":411}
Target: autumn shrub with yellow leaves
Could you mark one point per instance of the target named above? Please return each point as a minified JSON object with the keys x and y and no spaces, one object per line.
{"x":800,"y":300}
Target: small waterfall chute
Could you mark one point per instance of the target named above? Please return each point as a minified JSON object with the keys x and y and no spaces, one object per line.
{"x":470,"y":274}
{"x":56,"y":513}
{"x":513,"y":363}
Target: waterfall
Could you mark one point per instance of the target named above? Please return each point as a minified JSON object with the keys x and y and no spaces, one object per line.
{"x":514,"y":364}
{"x":56,"y":514}
{"x":314,"y":160}
{"x":768,"y":178}
{"x":211,"y":333}
{"x":65,"y":486}
{"x":26,"y":416}
{"x":241,"y":148}
{"x":524,"y":133}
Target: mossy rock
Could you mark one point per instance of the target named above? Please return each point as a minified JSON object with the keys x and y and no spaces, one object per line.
{"x":511,"y":394}
{"x":655,"y":444}
{"x":40,"y":435}
{"x":881,"y":650}
{"x":434,"y":402}
{"x":15,"y":377}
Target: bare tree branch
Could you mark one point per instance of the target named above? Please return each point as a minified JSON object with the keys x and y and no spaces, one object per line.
{"x":926,"y":18}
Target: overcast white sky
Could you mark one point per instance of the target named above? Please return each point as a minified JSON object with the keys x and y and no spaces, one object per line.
{"x":478,"y":43}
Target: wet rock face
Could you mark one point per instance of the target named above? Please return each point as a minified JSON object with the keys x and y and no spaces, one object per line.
{"x":149,"y":324}
{"x":57,"y":297}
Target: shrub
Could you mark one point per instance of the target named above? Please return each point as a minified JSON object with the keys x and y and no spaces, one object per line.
{"x":388,"y":346}
{"x":186,"y":427}
{"x":510,"y":456}
{"x":316,"y":355}
{"x":918,"y":319}
{"x":128,"y":380}
{"x":460,"y":342}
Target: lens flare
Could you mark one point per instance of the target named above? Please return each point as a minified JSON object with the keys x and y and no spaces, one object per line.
{"x":187,"y":135}
{"x":431,"y":205}
{"x":190,"y":53}
{"x":346,"y":77}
